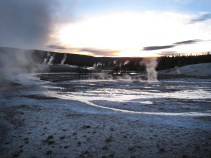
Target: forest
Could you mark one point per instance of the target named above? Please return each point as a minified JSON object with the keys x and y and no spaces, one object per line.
{"x":14,"y":55}
{"x":163,"y":62}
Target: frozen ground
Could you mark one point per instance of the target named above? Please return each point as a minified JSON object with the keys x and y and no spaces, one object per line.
{"x":106,"y":118}
{"x":196,"y":70}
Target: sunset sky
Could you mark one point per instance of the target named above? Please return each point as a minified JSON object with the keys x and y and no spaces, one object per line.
{"x":130,"y":28}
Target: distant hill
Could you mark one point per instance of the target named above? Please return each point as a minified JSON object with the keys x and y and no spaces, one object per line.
{"x":38,"y":56}
{"x":30,"y":57}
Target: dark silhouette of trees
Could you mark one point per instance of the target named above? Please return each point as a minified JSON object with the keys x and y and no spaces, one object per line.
{"x":167,"y":62}
{"x":164,"y":62}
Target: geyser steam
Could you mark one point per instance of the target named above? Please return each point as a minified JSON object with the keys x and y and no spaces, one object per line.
{"x":47,"y":57}
{"x":151,"y":64}
{"x":17,"y":61}
{"x":64,"y":59}
{"x":50,"y":62}
{"x":177,"y":69}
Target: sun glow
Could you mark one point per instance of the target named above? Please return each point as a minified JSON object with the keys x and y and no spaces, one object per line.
{"x":130,"y":32}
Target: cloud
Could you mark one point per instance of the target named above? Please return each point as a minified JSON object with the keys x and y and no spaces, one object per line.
{"x":170,"y":46}
{"x":186,"y":42}
{"x":168,"y":53}
{"x":122,"y":31}
{"x":202,"y":18}
{"x":157,"y":47}
{"x":100,"y":52}
{"x":56,"y":47}
{"x":26,"y":23}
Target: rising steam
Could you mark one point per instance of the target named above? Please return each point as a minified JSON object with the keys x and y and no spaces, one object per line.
{"x":177,"y":69}
{"x":47,"y":57}
{"x":17,"y":61}
{"x":151,"y":64}
{"x":64,"y":59}
{"x":50,"y":62}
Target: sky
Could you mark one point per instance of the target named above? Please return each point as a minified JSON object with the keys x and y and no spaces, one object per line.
{"x":120,"y":28}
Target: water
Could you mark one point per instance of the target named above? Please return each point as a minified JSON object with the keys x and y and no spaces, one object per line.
{"x":184,"y":97}
{"x":177,"y":99}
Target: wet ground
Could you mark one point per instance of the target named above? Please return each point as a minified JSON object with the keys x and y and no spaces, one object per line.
{"x":106,"y":118}
{"x":182,"y":96}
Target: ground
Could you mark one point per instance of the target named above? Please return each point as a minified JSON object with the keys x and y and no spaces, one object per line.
{"x":106,"y":118}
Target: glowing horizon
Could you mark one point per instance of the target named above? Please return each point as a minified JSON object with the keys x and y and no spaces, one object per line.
{"x":115,"y":28}
{"x":127,"y":34}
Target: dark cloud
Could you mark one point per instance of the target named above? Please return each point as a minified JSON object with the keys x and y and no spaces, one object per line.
{"x":202,"y":18}
{"x":103,"y":52}
{"x":56,"y":47}
{"x":157,"y":47}
{"x":168,"y":53}
{"x":170,"y":46}
{"x":186,"y":42}
{"x":26,"y":23}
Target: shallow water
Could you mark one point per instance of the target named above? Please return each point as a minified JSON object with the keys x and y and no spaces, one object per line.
{"x":187,"y":99}
{"x":169,"y":97}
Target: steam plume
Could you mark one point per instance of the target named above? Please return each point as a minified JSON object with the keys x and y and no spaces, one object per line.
{"x":126,"y":62}
{"x":47,"y":57}
{"x":177,"y":68}
{"x":64,"y":59}
{"x":16,"y":61}
{"x":50,"y":62}
{"x":26,"y":24}
{"x":151,"y":64}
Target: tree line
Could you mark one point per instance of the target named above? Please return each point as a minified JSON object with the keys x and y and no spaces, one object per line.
{"x":167,"y":62}
{"x":164,"y":62}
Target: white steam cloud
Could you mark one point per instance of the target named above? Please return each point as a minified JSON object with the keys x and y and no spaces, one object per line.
{"x":16,"y":61}
{"x":151,"y":64}
{"x":27,"y":24}
{"x":47,"y":57}
{"x":64,"y":59}
{"x":51,"y":59}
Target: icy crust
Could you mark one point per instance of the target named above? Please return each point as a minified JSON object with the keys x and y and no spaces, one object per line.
{"x":106,"y":118}
{"x":53,"y":132}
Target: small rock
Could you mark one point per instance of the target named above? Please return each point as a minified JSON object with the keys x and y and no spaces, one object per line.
{"x":86,"y":126}
{"x":48,"y":152}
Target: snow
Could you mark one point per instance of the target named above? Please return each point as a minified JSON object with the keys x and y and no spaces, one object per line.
{"x":174,"y":110}
{"x":203,"y":69}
